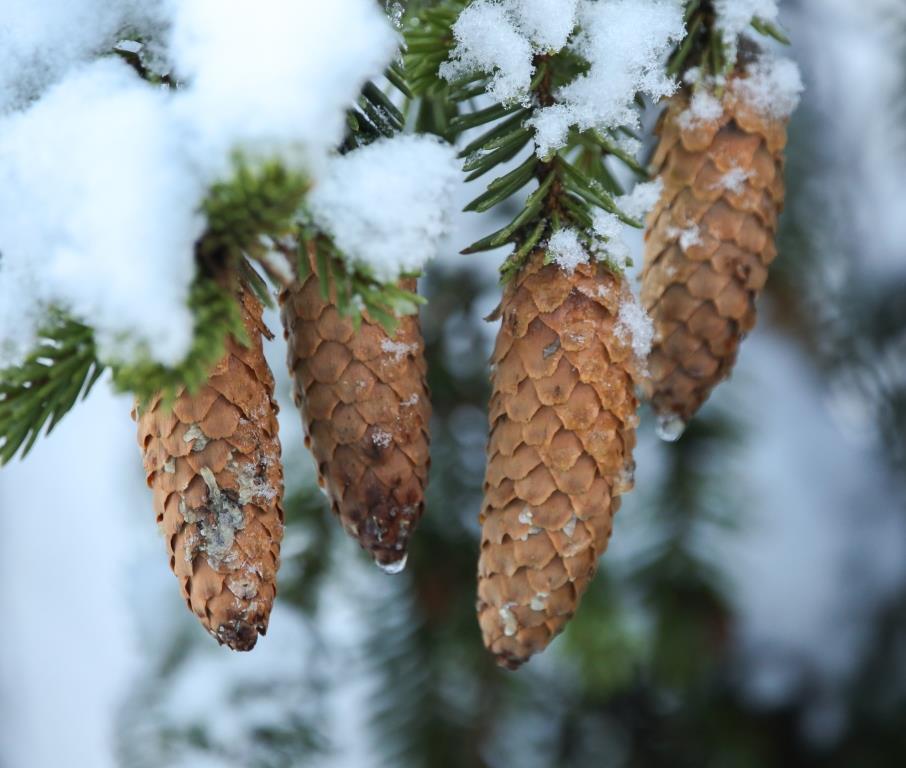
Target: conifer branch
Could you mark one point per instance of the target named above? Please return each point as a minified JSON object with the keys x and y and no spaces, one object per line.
{"x":62,"y":367}
{"x":571,"y":183}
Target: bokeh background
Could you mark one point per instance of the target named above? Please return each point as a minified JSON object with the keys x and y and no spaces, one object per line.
{"x":751,"y":610}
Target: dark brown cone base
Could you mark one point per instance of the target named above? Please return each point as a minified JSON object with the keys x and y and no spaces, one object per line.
{"x":213,"y":464}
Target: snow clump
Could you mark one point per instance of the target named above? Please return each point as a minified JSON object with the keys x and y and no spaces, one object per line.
{"x":387,"y":205}
{"x":102,"y":174}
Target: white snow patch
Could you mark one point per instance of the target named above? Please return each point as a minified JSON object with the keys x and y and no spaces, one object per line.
{"x":625,"y":43}
{"x":735,"y":16}
{"x":41,"y":40}
{"x":98,"y":215}
{"x":398,"y":350}
{"x":735,"y":180}
{"x":274,"y":77}
{"x":387,"y":205}
{"x":566,"y":250}
{"x":381,"y":439}
{"x":687,"y":237}
{"x":642,"y":199}
{"x":102,"y":174}
{"x":609,"y":242}
{"x":772,"y":85}
{"x":704,"y":107}
{"x":501,"y":38}
{"x":634,"y":326}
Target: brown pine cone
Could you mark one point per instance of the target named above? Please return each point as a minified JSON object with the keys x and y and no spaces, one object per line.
{"x":709,"y":242}
{"x":213,"y":463}
{"x":365,"y":408}
{"x":563,"y":414}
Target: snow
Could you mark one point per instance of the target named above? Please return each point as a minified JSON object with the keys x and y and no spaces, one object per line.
{"x":98,"y":214}
{"x":566,"y":250}
{"x":642,"y":199}
{"x":502,"y":37}
{"x":635,"y":327}
{"x":772,"y":85}
{"x":102,"y":174}
{"x":687,"y":236}
{"x":387,"y":205}
{"x":609,"y":234}
{"x":487,"y":40}
{"x":625,"y":43}
{"x":398,"y":350}
{"x":735,"y":179}
{"x":547,"y":23}
{"x":735,"y":16}
{"x":704,"y":107}
{"x":40,"y":40}
{"x":254,"y":69}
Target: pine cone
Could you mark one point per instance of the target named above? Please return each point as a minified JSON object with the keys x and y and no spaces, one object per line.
{"x":708,"y":246}
{"x":563,"y":414}
{"x":365,"y":408}
{"x":213,"y":463}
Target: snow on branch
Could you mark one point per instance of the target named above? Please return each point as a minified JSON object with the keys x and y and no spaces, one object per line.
{"x":103,"y":176}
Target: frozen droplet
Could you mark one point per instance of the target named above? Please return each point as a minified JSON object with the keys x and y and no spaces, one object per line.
{"x":397,"y":566}
{"x":510,"y":626}
{"x":670,"y":427}
{"x":539,"y":601}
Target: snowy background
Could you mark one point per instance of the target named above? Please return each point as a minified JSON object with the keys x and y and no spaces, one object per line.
{"x":91,"y":609}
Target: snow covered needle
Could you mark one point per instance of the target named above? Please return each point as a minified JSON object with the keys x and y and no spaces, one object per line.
{"x":563,"y":76}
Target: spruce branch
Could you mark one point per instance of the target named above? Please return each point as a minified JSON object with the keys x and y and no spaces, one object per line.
{"x":62,"y":367}
{"x":570,"y":184}
{"x":248,"y":214}
{"x":217,"y":315}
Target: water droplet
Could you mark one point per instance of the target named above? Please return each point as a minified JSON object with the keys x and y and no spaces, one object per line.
{"x":670,"y":427}
{"x":397,"y":566}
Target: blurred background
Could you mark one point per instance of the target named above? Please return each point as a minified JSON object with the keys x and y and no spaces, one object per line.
{"x":751,"y":610}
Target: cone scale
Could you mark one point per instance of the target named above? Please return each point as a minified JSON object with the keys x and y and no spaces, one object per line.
{"x":365,"y":409}
{"x":562,"y":415}
{"x":709,"y":243}
{"x":213,"y":464}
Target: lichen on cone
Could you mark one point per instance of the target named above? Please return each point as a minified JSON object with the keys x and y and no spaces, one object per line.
{"x":213,"y":463}
{"x":563,"y":414}
{"x":709,"y":243}
{"x":365,"y":409}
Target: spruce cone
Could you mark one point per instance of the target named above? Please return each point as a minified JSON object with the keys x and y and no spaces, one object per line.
{"x":709,"y":243}
{"x":213,"y":462}
{"x":365,"y":409}
{"x":563,"y":418}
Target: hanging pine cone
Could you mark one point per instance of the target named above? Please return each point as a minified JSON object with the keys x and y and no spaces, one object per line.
{"x":563,"y":418}
{"x":709,"y":243}
{"x":365,"y":409}
{"x":213,"y":463}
